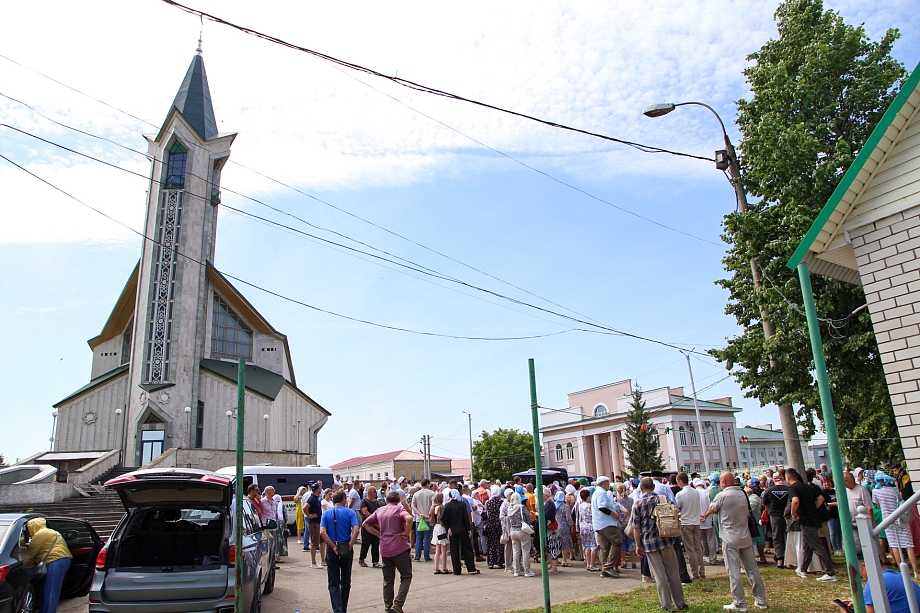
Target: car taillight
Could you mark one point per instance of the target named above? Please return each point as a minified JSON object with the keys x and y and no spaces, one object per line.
{"x":101,"y":558}
{"x":232,"y":555}
{"x":4,"y":570}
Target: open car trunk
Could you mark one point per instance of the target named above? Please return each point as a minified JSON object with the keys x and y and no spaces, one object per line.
{"x":169,"y":554}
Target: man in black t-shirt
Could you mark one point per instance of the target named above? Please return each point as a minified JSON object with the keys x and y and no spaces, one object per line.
{"x":775,"y":497}
{"x":805,"y":510}
{"x":369,"y":504}
{"x":313,"y":514}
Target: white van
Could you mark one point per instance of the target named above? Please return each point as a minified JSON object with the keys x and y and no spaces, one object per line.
{"x":285,"y":479}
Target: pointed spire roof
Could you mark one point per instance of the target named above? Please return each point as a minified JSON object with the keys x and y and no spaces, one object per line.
{"x":194,"y":99}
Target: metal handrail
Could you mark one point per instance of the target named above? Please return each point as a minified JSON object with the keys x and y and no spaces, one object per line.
{"x":902,"y":508}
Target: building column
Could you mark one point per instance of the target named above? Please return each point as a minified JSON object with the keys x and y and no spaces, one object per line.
{"x":615,"y":455}
{"x":598,"y":457}
{"x":587,"y":451}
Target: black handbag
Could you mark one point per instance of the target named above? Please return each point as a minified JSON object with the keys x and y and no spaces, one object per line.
{"x":753,"y":526}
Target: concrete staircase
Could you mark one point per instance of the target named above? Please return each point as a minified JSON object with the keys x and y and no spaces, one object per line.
{"x":103,"y":509}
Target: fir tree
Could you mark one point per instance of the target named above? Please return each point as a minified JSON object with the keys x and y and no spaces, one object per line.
{"x":641,"y":438}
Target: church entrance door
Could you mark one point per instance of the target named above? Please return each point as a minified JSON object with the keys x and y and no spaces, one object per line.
{"x":151,"y":444}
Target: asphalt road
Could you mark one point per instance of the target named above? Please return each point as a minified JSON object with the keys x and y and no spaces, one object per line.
{"x":297,"y":586}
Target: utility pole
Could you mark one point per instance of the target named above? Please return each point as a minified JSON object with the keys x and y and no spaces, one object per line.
{"x":538,"y":486}
{"x":696,"y":407}
{"x":238,"y":506}
{"x":471,"y":443}
{"x":728,"y":159}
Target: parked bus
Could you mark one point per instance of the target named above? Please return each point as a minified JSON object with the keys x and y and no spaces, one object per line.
{"x":285,"y":480}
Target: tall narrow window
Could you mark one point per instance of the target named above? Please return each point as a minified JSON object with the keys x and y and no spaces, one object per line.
{"x":230,"y":338}
{"x":558,"y":452}
{"x":126,"y":343}
{"x":569,"y":451}
{"x":683,"y":436}
{"x":199,"y":425}
{"x":175,"y":166}
{"x":693,"y":442}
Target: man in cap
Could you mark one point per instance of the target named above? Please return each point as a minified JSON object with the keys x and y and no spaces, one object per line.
{"x":313,"y":511}
{"x":775,"y":497}
{"x":607,"y":517}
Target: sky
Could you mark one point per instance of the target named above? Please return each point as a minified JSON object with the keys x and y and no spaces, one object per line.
{"x":551,"y":217}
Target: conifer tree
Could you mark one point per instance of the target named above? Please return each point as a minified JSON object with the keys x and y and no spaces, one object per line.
{"x":641,"y":439}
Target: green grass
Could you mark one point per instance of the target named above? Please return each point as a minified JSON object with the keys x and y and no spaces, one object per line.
{"x":786,"y":593}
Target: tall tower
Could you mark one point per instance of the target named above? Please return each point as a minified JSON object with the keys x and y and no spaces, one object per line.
{"x":163,"y":387}
{"x":181,"y":222}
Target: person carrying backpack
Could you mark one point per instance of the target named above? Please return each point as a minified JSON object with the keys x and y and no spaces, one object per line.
{"x":650,"y":524}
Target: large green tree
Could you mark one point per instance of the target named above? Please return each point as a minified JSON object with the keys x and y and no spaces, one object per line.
{"x":499,"y":454}
{"x":640,"y":439}
{"x":817,"y":90}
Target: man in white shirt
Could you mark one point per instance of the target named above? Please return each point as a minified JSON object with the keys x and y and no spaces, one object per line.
{"x":353,"y":499}
{"x":857,"y":496}
{"x":688,"y":501}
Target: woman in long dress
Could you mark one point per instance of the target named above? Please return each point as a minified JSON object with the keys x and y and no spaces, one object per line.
{"x":493,"y":528}
{"x":886,"y":496}
{"x":585,"y":526}
{"x":564,"y":519}
{"x":298,"y":512}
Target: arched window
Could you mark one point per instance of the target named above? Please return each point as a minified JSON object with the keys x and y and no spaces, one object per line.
{"x":230,"y":337}
{"x":569,"y":451}
{"x":683,"y":436}
{"x":724,"y":437}
{"x":175,"y":166}
{"x":693,"y":441}
{"x":731,"y":436}
{"x":712,"y":436}
{"x":600,"y":410}
{"x":558,"y":452}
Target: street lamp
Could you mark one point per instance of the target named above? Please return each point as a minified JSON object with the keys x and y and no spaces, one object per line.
{"x":265,"y":432}
{"x":471,"y":442}
{"x":727,"y":159}
{"x":54,"y":414}
{"x":118,"y":430}
{"x":188,"y":419}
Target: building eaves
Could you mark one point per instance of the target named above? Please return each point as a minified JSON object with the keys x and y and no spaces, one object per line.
{"x":98,"y":381}
{"x":874,"y":142}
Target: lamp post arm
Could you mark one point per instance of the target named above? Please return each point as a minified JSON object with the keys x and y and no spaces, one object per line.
{"x":728,"y":142}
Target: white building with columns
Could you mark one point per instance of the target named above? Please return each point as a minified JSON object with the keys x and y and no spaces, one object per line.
{"x":587,"y":438}
{"x":164,"y":365}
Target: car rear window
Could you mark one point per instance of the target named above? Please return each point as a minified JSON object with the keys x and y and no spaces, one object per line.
{"x":4,"y":528}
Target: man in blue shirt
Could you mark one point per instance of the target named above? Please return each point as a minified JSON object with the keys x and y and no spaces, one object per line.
{"x":607,"y":515}
{"x":339,"y":530}
{"x":894,"y":588}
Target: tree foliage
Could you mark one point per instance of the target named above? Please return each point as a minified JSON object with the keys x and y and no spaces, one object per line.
{"x":500,"y":454}
{"x":640,"y":439}
{"x":818,"y":90}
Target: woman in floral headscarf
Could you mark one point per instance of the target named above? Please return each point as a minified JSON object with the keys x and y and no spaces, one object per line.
{"x":564,"y":520}
{"x":493,"y":529}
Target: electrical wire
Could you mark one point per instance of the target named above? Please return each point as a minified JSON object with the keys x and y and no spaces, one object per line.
{"x":600,"y":329}
{"x":590,"y":321}
{"x":423,"y":88}
{"x":271,"y":292}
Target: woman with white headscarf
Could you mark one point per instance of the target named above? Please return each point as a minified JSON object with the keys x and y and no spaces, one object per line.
{"x":518,"y":518}
{"x":456,"y":519}
{"x":495,"y":549}
{"x":506,"y":527}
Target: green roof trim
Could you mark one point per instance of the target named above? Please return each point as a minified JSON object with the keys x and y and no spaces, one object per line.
{"x":259,"y":380}
{"x":154,"y":387}
{"x":909,"y":86}
{"x":100,"y":380}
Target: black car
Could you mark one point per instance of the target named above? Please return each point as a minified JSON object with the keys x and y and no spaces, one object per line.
{"x":17,"y":591}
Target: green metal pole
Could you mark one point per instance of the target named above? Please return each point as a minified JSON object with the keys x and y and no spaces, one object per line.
{"x":238,"y":507}
{"x":833,"y":443}
{"x":538,"y":486}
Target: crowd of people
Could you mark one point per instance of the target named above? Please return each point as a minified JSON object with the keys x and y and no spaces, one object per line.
{"x":667,"y":530}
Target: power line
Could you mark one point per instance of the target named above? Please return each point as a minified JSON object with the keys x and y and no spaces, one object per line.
{"x":424,"y":88}
{"x":273,"y":293}
{"x":601,"y":329}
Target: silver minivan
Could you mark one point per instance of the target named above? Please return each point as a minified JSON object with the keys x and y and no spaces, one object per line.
{"x":173,"y":551}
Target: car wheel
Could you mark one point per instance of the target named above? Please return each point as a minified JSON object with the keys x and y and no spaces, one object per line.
{"x":256,"y":606}
{"x":269,"y":583}
{"x":27,"y":604}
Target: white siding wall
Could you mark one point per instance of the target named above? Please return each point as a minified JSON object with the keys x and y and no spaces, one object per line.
{"x":74,"y":434}
{"x":888,"y":253}
{"x":106,"y":357}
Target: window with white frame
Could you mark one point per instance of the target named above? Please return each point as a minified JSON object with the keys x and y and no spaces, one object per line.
{"x":558,"y":452}
{"x":683,"y":436}
{"x":600,"y":411}
{"x":569,"y":451}
{"x":693,"y":441}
